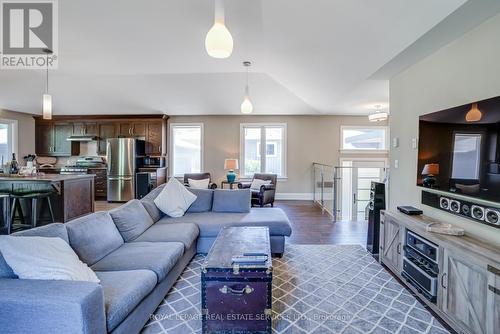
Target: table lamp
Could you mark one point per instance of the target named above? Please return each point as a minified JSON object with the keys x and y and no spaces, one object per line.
{"x":430,"y":171}
{"x":231,"y":165}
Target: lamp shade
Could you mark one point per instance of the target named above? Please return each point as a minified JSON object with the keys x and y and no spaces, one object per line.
{"x":231,"y":164}
{"x":431,"y":169}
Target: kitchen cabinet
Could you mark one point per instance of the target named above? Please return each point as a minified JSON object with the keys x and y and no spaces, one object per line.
{"x":391,"y":243}
{"x":132,"y":129}
{"x":52,"y":140}
{"x":81,"y":128}
{"x":106,"y":130}
{"x":469,"y":292}
{"x":154,"y":138}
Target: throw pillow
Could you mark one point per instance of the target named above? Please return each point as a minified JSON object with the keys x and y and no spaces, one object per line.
{"x":44,"y":258}
{"x":257,"y":183}
{"x":199,"y":184}
{"x":174,"y":199}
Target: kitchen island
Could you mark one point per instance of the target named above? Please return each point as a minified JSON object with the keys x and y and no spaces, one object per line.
{"x":73,"y":195}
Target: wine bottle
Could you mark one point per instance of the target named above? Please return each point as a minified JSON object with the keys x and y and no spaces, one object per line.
{"x":14,"y":168}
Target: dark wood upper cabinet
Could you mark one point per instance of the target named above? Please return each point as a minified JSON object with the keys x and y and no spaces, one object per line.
{"x":44,"y":139}
{"x":52,"y":140}
{"x":51,"y":136}
{"x":154,"y":138}
{"x":106,"y":130}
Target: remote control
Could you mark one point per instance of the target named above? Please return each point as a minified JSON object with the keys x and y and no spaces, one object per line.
{"x":249,"y":259}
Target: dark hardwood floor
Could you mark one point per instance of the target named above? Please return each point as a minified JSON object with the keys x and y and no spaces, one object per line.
{"x":309,"y":224}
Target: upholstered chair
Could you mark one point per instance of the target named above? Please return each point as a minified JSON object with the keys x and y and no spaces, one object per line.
{"x":199,"y":176}
{"x":265,"y":194}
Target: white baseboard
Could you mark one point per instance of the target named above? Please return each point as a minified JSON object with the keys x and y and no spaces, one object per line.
{"x":294,"y":196}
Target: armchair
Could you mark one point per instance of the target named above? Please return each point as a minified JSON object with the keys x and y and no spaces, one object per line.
{"x":264,"y":195}
{"x":199,"y":176}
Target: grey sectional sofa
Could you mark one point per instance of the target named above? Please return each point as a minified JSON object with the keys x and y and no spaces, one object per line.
{"x":137,"y":252}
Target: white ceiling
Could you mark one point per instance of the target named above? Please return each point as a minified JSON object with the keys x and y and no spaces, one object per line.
{"x":309,"y":56}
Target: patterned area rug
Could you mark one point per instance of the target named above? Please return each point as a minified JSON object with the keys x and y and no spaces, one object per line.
{"x":316,"y":289}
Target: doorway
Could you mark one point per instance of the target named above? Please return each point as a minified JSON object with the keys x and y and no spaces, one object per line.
{"x":356,"y":176}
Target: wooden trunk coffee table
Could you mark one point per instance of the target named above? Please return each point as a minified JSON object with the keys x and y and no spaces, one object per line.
{"x":237,"y":297}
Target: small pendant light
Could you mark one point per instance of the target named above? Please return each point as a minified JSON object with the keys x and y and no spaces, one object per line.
{"x":219,"y":42}
{"x":246,"y":105}
{"x":47,"y":98}
{"x":474,"y":114}
{"x":378,"y":115}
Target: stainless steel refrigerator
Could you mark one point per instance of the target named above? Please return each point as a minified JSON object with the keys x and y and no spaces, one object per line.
{"x":121,"y":155}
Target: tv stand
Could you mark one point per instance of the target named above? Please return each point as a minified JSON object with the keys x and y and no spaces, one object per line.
{"x":468,"y":289}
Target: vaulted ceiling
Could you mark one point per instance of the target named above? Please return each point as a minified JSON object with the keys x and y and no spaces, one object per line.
{"x":309,"y":56}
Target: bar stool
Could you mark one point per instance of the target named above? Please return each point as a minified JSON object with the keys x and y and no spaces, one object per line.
{"x":34,"y":193}
{"x":6,"y":225}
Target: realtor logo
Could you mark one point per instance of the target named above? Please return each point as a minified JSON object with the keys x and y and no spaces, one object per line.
{"x":28,"y":29}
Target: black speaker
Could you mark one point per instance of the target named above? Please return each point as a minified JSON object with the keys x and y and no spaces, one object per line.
{"x":377,"y":203}
{"x":142,"y":184}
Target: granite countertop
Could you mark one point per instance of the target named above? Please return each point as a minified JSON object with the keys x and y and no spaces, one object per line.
{"x":46,"y":178}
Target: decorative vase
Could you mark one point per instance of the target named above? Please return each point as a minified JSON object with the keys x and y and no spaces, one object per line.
{"x":231,"y":176}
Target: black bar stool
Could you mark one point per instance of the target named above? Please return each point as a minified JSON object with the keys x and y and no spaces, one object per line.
{"x":30,"y":192}
{"x":6,"y":222}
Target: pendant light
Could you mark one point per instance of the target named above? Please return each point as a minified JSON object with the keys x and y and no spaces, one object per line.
{"x":246,"y":105}
{"x":219,"y":42}
{"x":378,"y":115}
{"x":474,"y":114}
{"x":47,"y":98}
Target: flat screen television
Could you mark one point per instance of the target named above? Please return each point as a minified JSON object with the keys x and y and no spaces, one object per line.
{"x":459,"y":150}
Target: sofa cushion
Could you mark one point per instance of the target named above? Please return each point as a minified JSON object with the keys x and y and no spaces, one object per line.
{"x":210,"y":223}
{"x":123,"y":291}
{"x":93,"y":236}
{"x":203,"y":202}
{"x":174,"y":199}
{"x":44,"y":258}
{"x":185,"y":233}
{"x":55,"y":230}
{"x":51,"y":230}
{"x":231,"y":200}
{"x":149,"y":204}
{"x":131,"y":219}
{"x":159,"y":257}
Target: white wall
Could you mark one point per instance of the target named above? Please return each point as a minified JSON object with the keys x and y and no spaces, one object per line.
{"x":464,"y":71}
{"x":25,"y":132}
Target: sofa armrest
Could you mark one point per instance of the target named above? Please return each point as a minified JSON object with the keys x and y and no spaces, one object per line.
{"x":42,"y":306}
{"x":265,"y":187}
{"x":244,"y":185}
{"x":212,"y":185}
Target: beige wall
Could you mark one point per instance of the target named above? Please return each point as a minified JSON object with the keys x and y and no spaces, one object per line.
{"x":464,"y":71}
{"x":309,"y":139}
{"x":26,"y":131}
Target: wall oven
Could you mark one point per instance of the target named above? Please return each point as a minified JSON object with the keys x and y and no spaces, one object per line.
{"x":420,"y":264}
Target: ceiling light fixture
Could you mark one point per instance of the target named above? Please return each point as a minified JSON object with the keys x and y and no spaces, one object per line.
{"x":219,"y":42}
{"x":474,"y":114}
{"x":47,"y":98}
{"x":246,"y":105}
{"x":378,"y":115}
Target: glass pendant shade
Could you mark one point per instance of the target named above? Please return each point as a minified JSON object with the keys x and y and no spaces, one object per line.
{"x":474,"y":114}
{"x":47,"y":106}
{"x":219,"y":42}
{"x":246,"y":106}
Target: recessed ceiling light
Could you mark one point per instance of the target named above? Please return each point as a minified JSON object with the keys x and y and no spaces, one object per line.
{"x":378,"y":115}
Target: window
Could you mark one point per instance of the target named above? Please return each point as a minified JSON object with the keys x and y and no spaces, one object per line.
{"x":268,"y":158}
{"x":466,"y":156}
{"x":186,"y":142}
{"x":8,"y":129}
{"x":373,"y":138}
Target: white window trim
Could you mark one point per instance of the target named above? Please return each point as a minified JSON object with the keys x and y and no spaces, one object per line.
{"x":284,"y":149}
{"x":348,"y":127}
{"x":13,"y":124}
{"x":171,"y":146}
